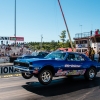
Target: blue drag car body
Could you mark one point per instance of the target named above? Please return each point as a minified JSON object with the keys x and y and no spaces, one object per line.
{"x":58,"y":63}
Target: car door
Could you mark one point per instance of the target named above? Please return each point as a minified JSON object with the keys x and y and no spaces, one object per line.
{"x":74,"y":64}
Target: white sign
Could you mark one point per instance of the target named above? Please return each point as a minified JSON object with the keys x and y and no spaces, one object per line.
{"x":8,"y":70}
{"x":81,"y":45}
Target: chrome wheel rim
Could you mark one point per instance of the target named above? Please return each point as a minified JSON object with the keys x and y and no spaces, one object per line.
{"x":91,"y":74}
{"x":46,"y":76}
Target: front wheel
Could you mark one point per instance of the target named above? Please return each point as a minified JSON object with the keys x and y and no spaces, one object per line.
{"x":27,"y":75}
{"x":90,"y":74}
{"x":45,"y":76}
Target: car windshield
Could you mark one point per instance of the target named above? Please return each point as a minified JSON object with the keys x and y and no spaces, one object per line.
{"x":56,"y":55}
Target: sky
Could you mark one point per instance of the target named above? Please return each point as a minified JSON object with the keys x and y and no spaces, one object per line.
{"x":43,"y":17}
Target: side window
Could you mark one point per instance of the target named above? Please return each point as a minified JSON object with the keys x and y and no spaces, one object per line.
{"x":78,"y":50}
{"x":71,"y":57}
{"x":78,"y":57}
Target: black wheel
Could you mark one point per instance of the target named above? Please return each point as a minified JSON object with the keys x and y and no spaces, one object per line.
{"x":90,"y":74}
{"x":27,"y":75}
{"x":45,"y":76}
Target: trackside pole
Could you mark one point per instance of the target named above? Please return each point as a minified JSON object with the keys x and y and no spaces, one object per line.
{"x":15,"y":25}
{"x":66,"y":25}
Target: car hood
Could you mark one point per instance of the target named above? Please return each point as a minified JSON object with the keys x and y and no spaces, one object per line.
{"x":31,"y":59}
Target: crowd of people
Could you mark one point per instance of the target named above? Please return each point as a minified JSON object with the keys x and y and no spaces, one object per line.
{"x":11,"y":50}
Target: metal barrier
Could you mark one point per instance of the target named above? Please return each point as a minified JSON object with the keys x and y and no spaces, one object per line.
{"x":4,"y":59}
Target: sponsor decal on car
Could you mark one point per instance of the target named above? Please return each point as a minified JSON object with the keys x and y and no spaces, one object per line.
{"x":75,"y":72}
{"x":68,"y":65}
{"x":60,"y":72}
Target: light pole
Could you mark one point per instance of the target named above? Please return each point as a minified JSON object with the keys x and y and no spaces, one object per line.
{"x":81,"y":30}
{"x":15,"y":24}
{"x":41,"y":41}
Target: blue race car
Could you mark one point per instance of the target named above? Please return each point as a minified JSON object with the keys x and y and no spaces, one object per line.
{"x":58,"y":63}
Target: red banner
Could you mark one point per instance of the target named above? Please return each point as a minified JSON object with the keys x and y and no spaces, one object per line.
{"x":17,"y":38}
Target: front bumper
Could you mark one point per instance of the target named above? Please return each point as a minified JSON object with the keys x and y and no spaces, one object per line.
{"x":22,"y":69}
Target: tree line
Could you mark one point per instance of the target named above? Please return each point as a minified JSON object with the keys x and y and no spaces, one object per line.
{"x":53,"y":45}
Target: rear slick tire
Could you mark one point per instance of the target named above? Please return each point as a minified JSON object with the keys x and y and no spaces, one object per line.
{"x":90,"y":74}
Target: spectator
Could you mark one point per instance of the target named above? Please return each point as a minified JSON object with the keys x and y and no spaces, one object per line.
{"x":92,"y":54}
{"x":96,"y":32}
{"x":87,"y":53}
{"x":99,"y":56}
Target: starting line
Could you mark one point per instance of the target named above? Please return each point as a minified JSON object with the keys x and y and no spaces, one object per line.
{"x":10,"y":75}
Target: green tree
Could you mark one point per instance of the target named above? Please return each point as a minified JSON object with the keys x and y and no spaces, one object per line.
{"x":63,"y":36}
{"x":53,"y":45}
{"x":68,"y":43}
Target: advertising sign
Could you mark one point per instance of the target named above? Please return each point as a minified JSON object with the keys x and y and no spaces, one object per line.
{"x":4,"y":38}
{"x":12,"y":38}
{"x":17,"y":38}
{"x":82,"y":45}
{"x":8,"y":70}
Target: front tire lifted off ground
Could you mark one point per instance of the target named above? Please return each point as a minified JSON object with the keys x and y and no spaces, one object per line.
{"x":27,"y":75}
{"x":45,"y":76}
